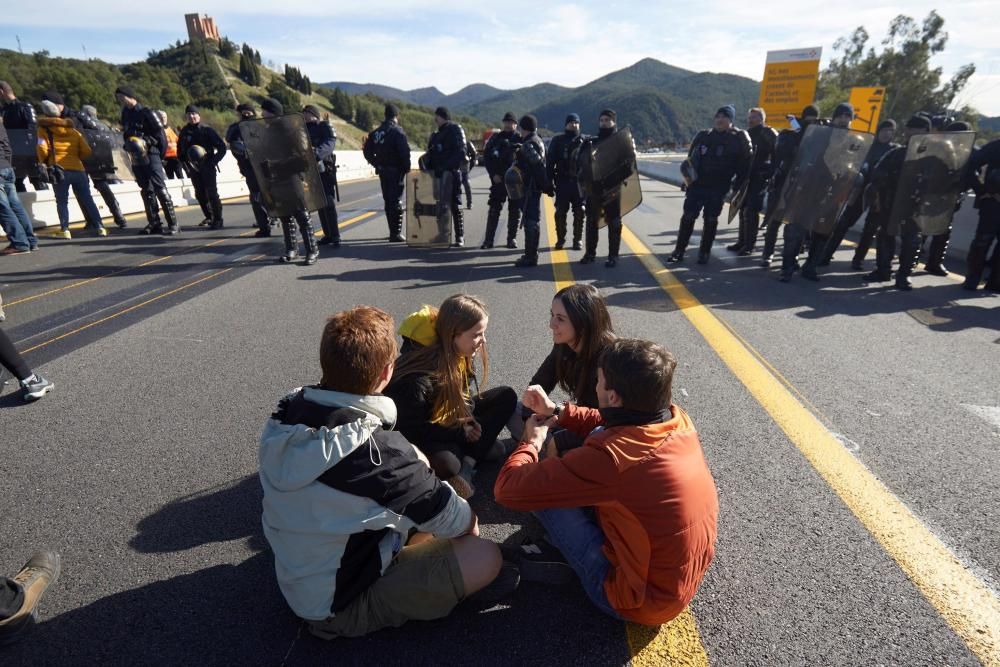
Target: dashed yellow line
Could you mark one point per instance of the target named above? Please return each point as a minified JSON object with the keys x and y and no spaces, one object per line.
{"x":963,"y":600}
{"x":677,"y":642}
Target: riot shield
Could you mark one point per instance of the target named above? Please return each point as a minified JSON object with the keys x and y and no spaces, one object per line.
{"x":428,"y":213}
{"x":102,"y":146}
{"x":931,"y":180}
{"x":821,"y":177}
{"x":739,"y":197}
{"x":284,"y":163}
{"x":614,"y":175}
{"x":24,"y":154}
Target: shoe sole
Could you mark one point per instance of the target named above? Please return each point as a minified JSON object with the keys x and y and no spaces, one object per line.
{"x":35,"y":395}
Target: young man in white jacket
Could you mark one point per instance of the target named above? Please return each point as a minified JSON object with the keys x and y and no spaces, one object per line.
{"x":364,"y":534}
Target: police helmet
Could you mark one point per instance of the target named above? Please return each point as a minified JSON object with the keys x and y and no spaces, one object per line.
{"x":135,"y":148}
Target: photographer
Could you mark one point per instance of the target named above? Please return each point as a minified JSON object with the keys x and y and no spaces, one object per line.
{"x":62,"y":149}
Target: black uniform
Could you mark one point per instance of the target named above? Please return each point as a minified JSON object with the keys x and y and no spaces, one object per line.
{"x":722,"y":160}
{"x":235,"y":140}
{"x":445,"y":154}
{"x":530,"y":160}
{"x":885,"y":182}
{"x":324,"y":142}
{"x":142,"y":122}
{"x":499,"y":155}
{"x":764,"y":140}
{"x":19,"y":115}
{"x":388,"y":150}
{"x":204,"y":174}
{"x":603,"y":202}
{"x":562,"y":166}
{"x":470,"y":162}
{"x":784,"y":156}
{"x":988,"y":229}
{"x":855,"y":209}
{"x":102,"y":180}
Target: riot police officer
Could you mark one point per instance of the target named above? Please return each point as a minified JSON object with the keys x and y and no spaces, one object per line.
{"x":561,"y":165}
{"x":988,"y":230}
{"x":600,"y":202}
{"x":388,"y":150}
{"x":144,"y":134}
{"x":721,"y":157}
{"x":203,"y":149}
{"x":530,"y":168}
{"x":885,"y":182}
{"x":445,"y":153}
{"x":934,"y":264}
{"x":19,"y":115}
{"x":103,"y":180}
{"x":499,"y":156}
{"x":784,"y":157}
{"x":235,"y":140}
{"x":856,"y":207}
{"x":764,"y":139}
{"x":324,"y":142}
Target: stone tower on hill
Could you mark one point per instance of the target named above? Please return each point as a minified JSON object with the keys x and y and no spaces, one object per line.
{"x":201,"y":28}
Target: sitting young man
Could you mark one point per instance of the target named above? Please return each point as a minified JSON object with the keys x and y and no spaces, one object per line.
{"x":342,"y":492}
{"x":634,"y":509}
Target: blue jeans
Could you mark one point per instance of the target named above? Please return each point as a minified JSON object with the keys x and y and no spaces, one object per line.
{"x":80,"y":183}
{"x":580,"y":540}
{"x":13,"y":217}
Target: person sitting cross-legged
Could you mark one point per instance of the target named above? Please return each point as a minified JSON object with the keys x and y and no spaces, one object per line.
{"x":633,"y":511}
{"x":343,"y":492}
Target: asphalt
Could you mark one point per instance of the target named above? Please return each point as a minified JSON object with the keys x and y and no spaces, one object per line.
{"x":140,"y":468}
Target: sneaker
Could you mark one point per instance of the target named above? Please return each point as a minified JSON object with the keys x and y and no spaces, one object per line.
{"x":765,"y":262}
{"x":35,"y":387}
{"x":462,"y":487}
{"x":64,"y":234}
{"x":506,"y":582}
{"x":34,"y":578}
{"x":539,"y":561}
{"x":122,"y":224}
{"x":102,"y":232}
{"x":311,"y":258}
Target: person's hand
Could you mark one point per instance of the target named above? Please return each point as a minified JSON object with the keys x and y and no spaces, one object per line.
{"x":473,"y":431}
{"x":536,"y":400}
{"x":536,"y":429}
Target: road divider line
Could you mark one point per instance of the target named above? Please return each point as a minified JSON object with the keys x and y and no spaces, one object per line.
{"x":966,"y":603}
{"x":677,"y":642}
{"x":347,"y":223}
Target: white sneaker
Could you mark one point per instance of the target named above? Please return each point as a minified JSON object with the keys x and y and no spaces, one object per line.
{"x":102,"y":232}
{"x":65,"y":234}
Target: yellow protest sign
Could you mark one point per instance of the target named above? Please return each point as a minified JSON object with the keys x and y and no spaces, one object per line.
{"x":867,"y":103}
{"x":789,"y":83}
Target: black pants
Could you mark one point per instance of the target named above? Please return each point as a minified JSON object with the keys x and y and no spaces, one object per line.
{"x":328,"y":216}
{"x":612,"y":215}
{"x":152,"y":182}
{"x":206,"y":191}
{"x":750,"y":215}
{"x":568,"y":197}
{"x":491,"y":409}
{"x":987,"y":234}
{"x":706,"y":200}
{"x":11,"y":359}
{"x":909,"y":238}
{"x":288,"y":224}
{"x":848,"y":218}
{"x":391,"y":179}
{"x":498,"y":195}
{"x":172,"y":167}
{"x":795,"y":236}
{"x":466,"y":186}
{"x":103,"y":186}
{"x":11,"y":598}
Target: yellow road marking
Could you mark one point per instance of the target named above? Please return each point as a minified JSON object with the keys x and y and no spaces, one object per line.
{"x":965,"y":602}
{"x":358,"y":218}
{"x":677,"y":642}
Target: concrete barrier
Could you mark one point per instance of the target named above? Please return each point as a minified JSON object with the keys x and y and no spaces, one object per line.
{"x":41,"y":205}
{"x":667,"y":168}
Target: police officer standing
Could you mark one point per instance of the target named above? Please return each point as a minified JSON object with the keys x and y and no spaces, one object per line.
{"x":530,"y":161}
{"x":324,"y":142}
{"x":103,"y":180}
{"x":722,"y":159}
{"x":601,"y":202}
{"x":561,"y":164}
{"x":141,"y":123}
{"x":988,"y":230}
{"x":764,"y":139}
{"x":445,"y":153}
{"x":203,"y":149}
{"x":235,"y":140}
{"x":388,"y":150}
{"x":499,"y":156}
{"x":19,"y":115}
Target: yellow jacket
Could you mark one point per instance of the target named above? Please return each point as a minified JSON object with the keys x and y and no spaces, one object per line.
{"x":71,"y":148}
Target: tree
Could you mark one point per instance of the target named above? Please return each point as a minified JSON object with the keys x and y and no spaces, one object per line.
{"x":903,"y":67}
{"x":288,"y":97}
{"x":364,"y":118}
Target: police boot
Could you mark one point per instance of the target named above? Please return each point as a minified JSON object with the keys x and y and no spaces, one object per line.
{"x":614,"y":244}
{"x":492,"y":221}
{"x":531,"y":239}
{"x":513,"y":220}
{"x":206,"y":211}
{"x":579,"y":215}
{"x":309,"y":241}
{"x":750,"y":235}
{"x":935,"y":257}
{"x":216,"y":214}
{"x":683,"y":238}
{"x":396,"y":233}
{"x":153,"y":225}
{"x":770,"y":240}
{"x":707,"y":239}
{"x":168,"y":213}
{"x":741,"y":236}
{"x":560,"y":230}
{"x":592,"y":234}
{"x":458,"y":219}
{"x":291,"y":241}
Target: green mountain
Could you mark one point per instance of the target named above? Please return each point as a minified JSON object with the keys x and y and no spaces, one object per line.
{"x":491,"y":110}
{"x":423,"y":96}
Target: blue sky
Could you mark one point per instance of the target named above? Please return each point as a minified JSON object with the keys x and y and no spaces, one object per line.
{"x":450,"y":44}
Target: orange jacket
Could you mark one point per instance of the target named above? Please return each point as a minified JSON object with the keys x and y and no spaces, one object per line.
{"x":171,"y":151}
{"x":654,"y":497}
{"x":70,"y":146}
